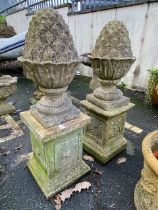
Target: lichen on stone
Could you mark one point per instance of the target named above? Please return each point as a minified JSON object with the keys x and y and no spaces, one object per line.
{"x":49,"y":38}
{"x":113,"y":41}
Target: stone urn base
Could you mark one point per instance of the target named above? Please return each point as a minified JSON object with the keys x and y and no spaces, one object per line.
{"x":8,"y":86}
{"x":53,"y":109}
{"x":56,"y":161}
{"x":37,"y":95}
{"x":104,"y":135}
{"x":107,"y":105}
{"x":6,"y":108}
{"x":146,"y":191}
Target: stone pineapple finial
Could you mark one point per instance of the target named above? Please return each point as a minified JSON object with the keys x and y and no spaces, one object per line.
{"x":111,"y":60}
{"x":113,"y":41}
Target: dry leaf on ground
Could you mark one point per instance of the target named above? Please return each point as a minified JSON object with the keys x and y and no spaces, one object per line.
{"x":58,"y":206}
{"x":87,"y":157}
{"x":98,"y":172}
{"x":121,"y":160}
{"x":66,"y":194}
{"x":82,"y":186}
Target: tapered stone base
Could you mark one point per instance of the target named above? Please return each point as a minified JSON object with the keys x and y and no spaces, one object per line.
{"x":6,"y":108}
{"x":57,"y":153}
{"x":107,"y":105}
{"x":103,"y":155}
{"x":33,"y":100}
{"x":51,"y":120}
{"x":52,"y":185}
{"x":104,"y":135}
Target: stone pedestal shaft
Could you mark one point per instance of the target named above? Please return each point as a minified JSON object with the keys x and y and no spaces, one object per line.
{"x":104,"y":135}
{"x":57,"y":153}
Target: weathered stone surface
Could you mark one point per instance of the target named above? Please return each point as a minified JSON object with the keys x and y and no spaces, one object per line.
{"x":104,"y":135}
{"x":8,"y":87}
{"x":113,"y":41}
{"x":50,"y":60}
{"x":49,"y":38}
{"x":111,"y":60}
{"x":57,"y":153}
{"x":146,"y":191}
{"x":109,"y":72}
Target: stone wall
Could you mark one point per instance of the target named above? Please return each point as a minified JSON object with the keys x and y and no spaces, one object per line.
{"x":141,"y":21}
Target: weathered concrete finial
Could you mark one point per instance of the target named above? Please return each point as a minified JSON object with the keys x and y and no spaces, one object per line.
{"x":50,"y":60}
{"x":113,"y":41}
{"x":49,"y":38}
{"x":111,"y":60}
{"x":56,"y":126}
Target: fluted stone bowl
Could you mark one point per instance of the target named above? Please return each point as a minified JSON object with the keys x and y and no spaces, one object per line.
{"x":49,"y":75}
{"x":111,"y":68}
{"x":8,"y":86}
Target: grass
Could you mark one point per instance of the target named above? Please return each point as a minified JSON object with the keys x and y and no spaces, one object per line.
{"x":2,"y":20}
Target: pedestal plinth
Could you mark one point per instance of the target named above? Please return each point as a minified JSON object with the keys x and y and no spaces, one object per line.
{"x":57,"y":153}
{"x":104,"y":135}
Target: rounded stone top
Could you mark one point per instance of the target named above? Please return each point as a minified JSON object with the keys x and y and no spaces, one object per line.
{"x":7,"y":80}
{"x":49,"y":38}
{"x":113,"y":41}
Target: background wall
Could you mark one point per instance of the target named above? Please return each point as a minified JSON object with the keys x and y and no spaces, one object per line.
{"x":141,"y":21}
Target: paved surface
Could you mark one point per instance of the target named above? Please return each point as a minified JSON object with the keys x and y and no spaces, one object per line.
{"x":112,"y":190}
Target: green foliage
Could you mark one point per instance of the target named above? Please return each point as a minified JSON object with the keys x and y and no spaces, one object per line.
{"x":152,"y":82}
{"x":122,"y":85}
{"x":2,"y":20}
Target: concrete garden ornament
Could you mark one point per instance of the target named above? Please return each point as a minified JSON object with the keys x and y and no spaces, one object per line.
{"x":50,"y":60}
{"x":8,"y":86}
{"x":146,"y":191}
{"x":111,"y":60}
{"x":57,"y":127}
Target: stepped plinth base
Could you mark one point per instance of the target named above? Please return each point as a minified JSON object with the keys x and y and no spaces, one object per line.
{"x":57,"y":161}
{"x":104,"y":135}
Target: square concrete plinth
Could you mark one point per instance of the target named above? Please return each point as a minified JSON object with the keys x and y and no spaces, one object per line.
{"x":57,"y":153}
{"x":104,"y":135}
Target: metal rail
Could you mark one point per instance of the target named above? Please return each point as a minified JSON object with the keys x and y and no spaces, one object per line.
{"x":85,"y":5}
{"x":10,"y":6}
{"x":35,"y":5}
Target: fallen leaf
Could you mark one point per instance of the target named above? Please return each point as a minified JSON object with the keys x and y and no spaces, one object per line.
{"x":82,"y":186}
{"x":66,"y":194}
{"x":58,"y":206}
{"x":87,"y":157}
{"x":98,"y":172}
{"x":121,"y":160}
{"x":57,"y":199}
